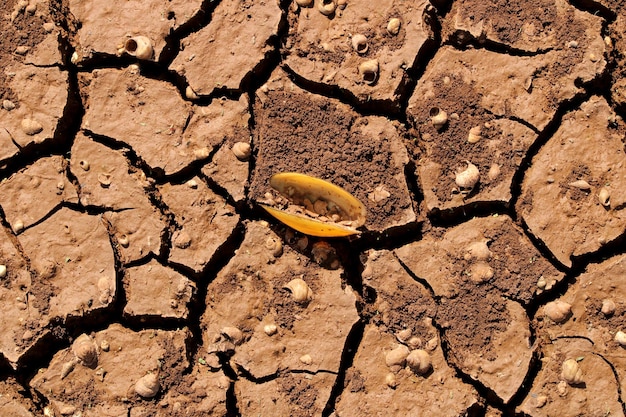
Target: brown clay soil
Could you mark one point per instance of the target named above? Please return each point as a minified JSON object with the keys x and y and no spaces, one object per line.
{"x":139,"y":276}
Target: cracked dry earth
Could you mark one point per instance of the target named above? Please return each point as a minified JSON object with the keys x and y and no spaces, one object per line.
{"x":140,"y":278}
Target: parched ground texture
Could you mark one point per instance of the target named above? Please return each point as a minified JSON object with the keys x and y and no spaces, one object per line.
{"x":139,"y":276}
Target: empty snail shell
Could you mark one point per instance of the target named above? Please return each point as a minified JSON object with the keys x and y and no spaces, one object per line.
{"x":571,"y":372}
{"x":419,"y":361}
{"x":148,"y":385}
{"x":468,"y":178}
{"x":85,"y":350}
{"x":233,"y":334}
{"x":581,"y":185}
{"x":31,"y":127}
{"x":359,"y":43}
{"x":304,"y":3}
{"x":270,"y":329}
{"x":369,"y":71}
{"x":438,"y":118}
{"x":275,"y":246}
{"x":620,"y":337}
{"x":390,"y":380}
{"x":3,"y":271}
{"x":298,"y":187}
{"x":604,"y":197}
{"x":242,"y":151}
{"x":327,"y":7}
{"x":558,"y":311}
{"x":475,"y":134}
{"x":300,"y":291}
{"x":396,"y":358}
{"x":393,"y":26}
{"x":140,"y":47}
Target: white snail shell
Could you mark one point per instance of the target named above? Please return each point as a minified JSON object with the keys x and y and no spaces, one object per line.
{"x":140,"y":47}
{"x":85,"y":350}
{"x":300,"y":291}
{"x":468,"y":178}
{"x":419,"y":361}
{"x":148,"y":385}
{"x":571,"y":372}
{"x":369,"y":71}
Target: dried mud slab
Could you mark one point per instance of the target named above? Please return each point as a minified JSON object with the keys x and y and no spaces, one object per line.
{"x":618,"y":38}
{"x":105,"y":25}
{"x":478,"y":268}
{"x":32,"y":99}
{"x":163,"y":129}
{"x":34,"y":192}
{"x":403,"y":323}
{"x":271,"y":324}
{"x":153,"y":290}
{"x":16,"y":307}
{"x":31,"y":111}
{"x":204,"y":222}
{"x":107,"y":387}
{"x":359,"y":48}
{"x":535,"y":27}
{"x":489,"y":251}
{"x":596,"y":395}
{"x":73,"y":262}
{"x":593,"y":308}
{"x":199,"y":392}
{"x":298,"y":131}
{"x":107,"y":180}
{"x":293,"y":394}
{"x":13,"y":402}
{"x":572,"y":196}
{"x":243,"y":28}
{"x":463,"y":111}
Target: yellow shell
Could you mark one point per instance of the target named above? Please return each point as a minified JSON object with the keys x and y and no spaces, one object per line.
{"x":295,"y":185}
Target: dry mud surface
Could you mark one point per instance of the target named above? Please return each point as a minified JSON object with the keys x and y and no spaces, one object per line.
{"x":139,"y":276}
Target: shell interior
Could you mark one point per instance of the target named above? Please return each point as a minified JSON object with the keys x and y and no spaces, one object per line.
{"x":298,"y":187}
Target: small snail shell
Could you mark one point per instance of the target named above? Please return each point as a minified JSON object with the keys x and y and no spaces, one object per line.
{"x":31,"y":127}
{"x":327,"y":7}
{"x":304,"y":3}
{"x":3,"y":271}
{"x":608,"y":307}
{"x":620,"y":337}
{"x":419,"y":361}
{"x":604,"y":197}
{"x":557,"y":311}
{"x":359,"y":43}
{"x":369,"y":71}
{"x":571,"y":372}
{"x":148,"y":385}
{"x":242,"y":151}
{"x":85,"y":351}
{"x":467,"y":178}
{"x":390,"y":380}
{"x":275,"y":246}
{"x":233,"y":334}
{"x":140,"y":47}
{"x":270,"y":329}
{"x":438,"y":118}
{"x":300,"y":291}
{"x":475,"y":134}
{"x":581,"y":185}
{"x":396,"y":358}
{"x":190,"y":94}
{"x":393,"y":26}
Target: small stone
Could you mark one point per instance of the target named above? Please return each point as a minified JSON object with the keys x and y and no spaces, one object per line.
{"x":105,"y":345}
{"x":306,"y":359}
{"x":270,"y":329}
{"x":48,"y":27}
